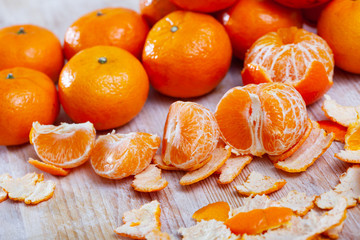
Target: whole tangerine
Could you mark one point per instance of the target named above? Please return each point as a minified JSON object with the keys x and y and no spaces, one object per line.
{"x":154,"y":10}
{"x":119,"y":27}
{"x":186,"y":54}
{"x":26,"y":96}
{"x":104,"y":85}
{"x":301,"y":3}
{"x":32,"y":47}
{"x":206,"y":6}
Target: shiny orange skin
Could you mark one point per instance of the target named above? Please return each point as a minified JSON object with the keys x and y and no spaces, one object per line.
{"x":27,"y":97}
{"x":107,"y":94}
{"x":36,"y":48}
{"x":186,"y":54}
{"x":312,"y":15}
{"x":154,"y":10}
{"x":339,"y":25}
{"x":119,"y":27}
{"x":301,"y":3}
{"x":248,"y":20}
{"x":206,"y":6}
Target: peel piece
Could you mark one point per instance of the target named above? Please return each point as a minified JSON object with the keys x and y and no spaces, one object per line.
{"x":351,"y":154}
{"x":232,"y":168}
{"x":3,"y":193}
{"x":158,"y":235}
{"x":157,"y":160}
{"x":334,"y":232}
{"x":348,"y":156}
{"x":140,"y":222}
{"x":314,"y":146}
{"x":219,"y":156}
{"x":256,"y":183}
{"x":253,"y":202}
{"x":343,"y":115}
{"x":209,"y":230}
{"x":218,"y":211}
{"x":149,"y":180}
{"x":43,"y":191}
{"x":299,"y":202}
{"x":333,"y":127}
{"x":20,"y":188}
{"x":49,"y":168}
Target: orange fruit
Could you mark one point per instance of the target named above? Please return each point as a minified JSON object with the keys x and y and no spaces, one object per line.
{"x":206,"y":6}
{"x":154,"y":10}
{"x":190,"y":136}
{"x":64,"y":146}
{"x":301,"y":3}
{"x":266,"y":118}
{"x":104,"y":85}
{"x":294,"y":56}
{"x":186,"y":54}
{"x":312,"y":15}
{"x":32,"y":47}
{"x":259,"y":220}
{"x":339,"y":25}
{"x":248,"y":20}
{"x":117,"y":156}
{"x":26,"y":96}
{"x":119,"y":27}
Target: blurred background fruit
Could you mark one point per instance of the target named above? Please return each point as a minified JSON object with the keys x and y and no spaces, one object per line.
{"x":301,"y":3}
{"x":32,"y":47}
{"x":312,"y":15}
{"x":154,"y":10}
{"x":186,"y":54}
{"x":248,"y":20}
{"x":339,"y":25}
{"x":26,"y":96}
{"x":120,"y":27}
{"x":104,"y":85}
{"x":206,"y":6}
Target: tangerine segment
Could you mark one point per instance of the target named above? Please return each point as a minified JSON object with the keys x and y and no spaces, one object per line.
{"x":218,"y":158}
{"x":117,"y":156}
{"x":65,"y":146}
{"x":149,"y":180}
{"x":232,"y":168}
{"x":333,"y":127}
{"x":343,"y":115}
{"x":218,"y":211}
{"x":314,"y":146}
{"x":190,"y":135}
{"x":256,"y":183}
{"x":49,"y":168}
{"x":259,"y":220}
{"x":140,"y":222}
{"x":352,"y":137}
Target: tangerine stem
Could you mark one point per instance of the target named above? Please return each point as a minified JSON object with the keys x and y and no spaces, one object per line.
{"x":102,"y":60}
{"x":21,"y":31}
{"x":10,"y":76}
{"x":174,"y":29}
{"x":99,"y":13}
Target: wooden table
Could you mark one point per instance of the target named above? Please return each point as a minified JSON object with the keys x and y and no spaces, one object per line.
{"x":86,"y":206}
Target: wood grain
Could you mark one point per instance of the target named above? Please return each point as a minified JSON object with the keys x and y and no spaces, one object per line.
{"x":86,"y":206}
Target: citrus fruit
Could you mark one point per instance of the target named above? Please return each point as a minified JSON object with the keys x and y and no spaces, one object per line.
{"x":26,"y":96}
{"x":154,"y":10}
{"x":119,"y":27}
{"x":265,"y":118}
{"x":64,"y":146}
{"x":339,"y":25}
{"x":206,"y":6}
{"x":186,"y":54}
{"x":117,"y":156}
{"x":248,"y":20}
{"x":104,"y":85}
{"x":190,"y":136}
{"x":294,"y":56}
{"x":301,"y":3}
{"x":32,"y":47}
{"x":312,"y":14}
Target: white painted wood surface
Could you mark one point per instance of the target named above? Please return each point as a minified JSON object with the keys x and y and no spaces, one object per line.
{"x":86,"y":206}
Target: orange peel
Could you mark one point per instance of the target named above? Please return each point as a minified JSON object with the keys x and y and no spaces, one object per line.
{"x":149,"y":180}
{"x":314,"y":146}
{"x":3,"y":193}
{"x":343,"y":115}
{"x":218,"y":158}
{"x":256,"y":183}
{"x":299,"y":202}
{"x":351,"y":154}
{"x":43,"y":191}
{"x":232,"y":168}
{"x":49,"y":168}
{"x":335,"y":128}
{"x":334,"y":232}
{"x":157,"y":160}
{"x":218,"y":211}
{"x":140,"y":222}
{"x":158,"y":235}
{"x":253,"y":202}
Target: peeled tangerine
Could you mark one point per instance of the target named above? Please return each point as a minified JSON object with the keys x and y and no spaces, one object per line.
{"x":266,"y":118}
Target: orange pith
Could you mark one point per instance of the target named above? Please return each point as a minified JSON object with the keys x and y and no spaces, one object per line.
{"x":218,"y":211}
{"x":333,"y":127}
{"x":49,"y":168}
{"x":190,"y":135}
{"x":117,"y":156}
{"x":255,"y":119}
{"x":259,"y":220}
{"x":207,"y":6}
{"x":294,"y":56}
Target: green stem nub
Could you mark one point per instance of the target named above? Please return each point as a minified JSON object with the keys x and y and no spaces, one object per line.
{"x":174,"y":29}
{"x":21,"y":31}
{"x":102,"y":60}
{"x":99,"y":13}
{"x":10,"y":76}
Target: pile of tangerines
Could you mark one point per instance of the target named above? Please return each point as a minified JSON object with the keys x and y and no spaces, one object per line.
{"x":112,"y":55}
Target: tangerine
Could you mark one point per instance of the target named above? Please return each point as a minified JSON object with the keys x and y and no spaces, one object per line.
{"x":154,"y":10}
{"x":302,"y":3}
{"x":206,"y":6}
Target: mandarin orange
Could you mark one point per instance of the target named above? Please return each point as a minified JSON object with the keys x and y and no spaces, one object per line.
{"x":186,"y":54}
{"x":120,"y":27}
{"x":301,"y":3}
{"x":104,"y":85}
{"x":207,"y":6}
{"x":154,"y":10}
{"x":26,"y":96}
